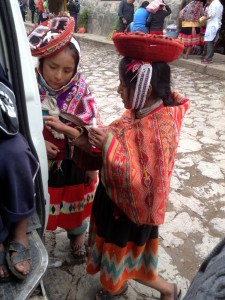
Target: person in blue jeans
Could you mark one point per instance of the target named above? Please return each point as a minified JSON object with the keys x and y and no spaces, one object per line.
{"x":23,"y":8}
{"x":73,"y":7}
{"x":140,"y":18}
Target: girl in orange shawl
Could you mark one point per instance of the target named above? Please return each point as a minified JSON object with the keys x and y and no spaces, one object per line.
{"x":138,"y":153}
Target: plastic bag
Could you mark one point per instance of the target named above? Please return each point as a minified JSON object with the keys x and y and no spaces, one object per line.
{"x":153,"y":7}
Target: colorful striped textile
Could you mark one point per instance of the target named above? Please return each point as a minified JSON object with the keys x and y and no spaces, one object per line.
{"x":120,"y":264}
{"x":192,"y":11}
{"x":189,"y":36}
{"x":70,"y":199}
{"x":138,"y":161}
{"x":70,"y":205}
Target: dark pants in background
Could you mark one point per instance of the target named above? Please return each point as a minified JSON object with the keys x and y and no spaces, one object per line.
{"x":122,"y":26}
{"x":32,"y":16}
{"x":210,"y":47}
{"x":209,"y":50}
{"x":23,"y":14}
{"x":40,"y":18}
{"x":73,"y":15}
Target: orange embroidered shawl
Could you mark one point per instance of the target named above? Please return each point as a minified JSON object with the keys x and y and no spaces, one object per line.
{"x":138,"y":161}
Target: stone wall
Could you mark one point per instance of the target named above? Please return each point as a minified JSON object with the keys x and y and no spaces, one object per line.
{"x":103,"y":14}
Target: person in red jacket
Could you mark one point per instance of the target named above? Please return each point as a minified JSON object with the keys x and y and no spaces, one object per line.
{"x":40,"y":7}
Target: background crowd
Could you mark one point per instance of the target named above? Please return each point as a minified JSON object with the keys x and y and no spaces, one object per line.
{"x":199,"y":23}
{"x":38,"y":8}
{"x":198,"y":26}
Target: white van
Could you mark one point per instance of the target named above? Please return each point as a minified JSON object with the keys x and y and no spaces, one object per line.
{"x":16,"y":59}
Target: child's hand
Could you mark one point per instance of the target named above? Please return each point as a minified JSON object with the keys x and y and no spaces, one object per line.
{"x":53,"y":123}
{"x":124,"y":21}
{"x":90,"y":176}
{"x":97,"y":136}
{"x":51,"y":149}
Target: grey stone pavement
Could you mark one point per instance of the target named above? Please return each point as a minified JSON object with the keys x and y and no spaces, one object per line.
{"x":195,"y":219}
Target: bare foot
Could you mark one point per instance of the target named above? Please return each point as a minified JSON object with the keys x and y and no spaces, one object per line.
{"x":4,"y":273}
{"x":77,"y":244}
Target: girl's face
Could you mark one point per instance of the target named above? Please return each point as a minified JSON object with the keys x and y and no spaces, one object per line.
{"x":125,"y":94}
{"x":59,"y":69}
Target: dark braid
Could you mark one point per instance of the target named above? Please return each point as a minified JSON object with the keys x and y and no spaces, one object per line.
{"x":160,"y":81}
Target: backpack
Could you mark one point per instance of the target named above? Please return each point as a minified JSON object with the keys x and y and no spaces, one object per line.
{"x":73,"y":7}
{"x":77,"y":8}
{"x":209,"y":282}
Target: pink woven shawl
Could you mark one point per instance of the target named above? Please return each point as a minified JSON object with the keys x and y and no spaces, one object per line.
{"x":192,"y":12}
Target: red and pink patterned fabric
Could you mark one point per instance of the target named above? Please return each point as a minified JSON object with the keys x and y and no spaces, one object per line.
{"x":138,"y":163}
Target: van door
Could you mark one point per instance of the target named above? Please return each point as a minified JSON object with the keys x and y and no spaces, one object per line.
{"x":15,"y":57}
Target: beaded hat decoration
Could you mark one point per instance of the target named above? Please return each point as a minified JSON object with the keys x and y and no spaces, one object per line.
{"x":51,"y":36}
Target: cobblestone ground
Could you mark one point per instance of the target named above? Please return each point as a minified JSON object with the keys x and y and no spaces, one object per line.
{"x":195,"y":220}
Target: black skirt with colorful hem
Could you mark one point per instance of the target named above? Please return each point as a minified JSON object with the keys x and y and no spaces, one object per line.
{"x":190,"y":36}
{"x":119,"y":248}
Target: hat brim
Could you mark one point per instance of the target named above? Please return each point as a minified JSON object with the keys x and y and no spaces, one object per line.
{"x":147,"y":47}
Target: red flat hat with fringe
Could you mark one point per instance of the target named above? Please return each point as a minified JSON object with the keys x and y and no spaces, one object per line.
{"x":147,"y":47}
{"x":51,"y":37}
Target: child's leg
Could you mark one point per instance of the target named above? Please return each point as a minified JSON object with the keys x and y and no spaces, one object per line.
{"x":77,"y":239}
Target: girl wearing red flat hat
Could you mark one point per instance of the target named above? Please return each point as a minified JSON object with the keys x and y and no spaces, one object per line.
{"x":138,"y":153}
{"x":65,"y":97}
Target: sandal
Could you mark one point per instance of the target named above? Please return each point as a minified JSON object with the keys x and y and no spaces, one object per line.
{"x":185,"y":57}
{"x":206,"y":61}
{"x":105,"y":295}
{"x":3,"y":263}
{"x":177,"y":296}
{"x":21,"y":254}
